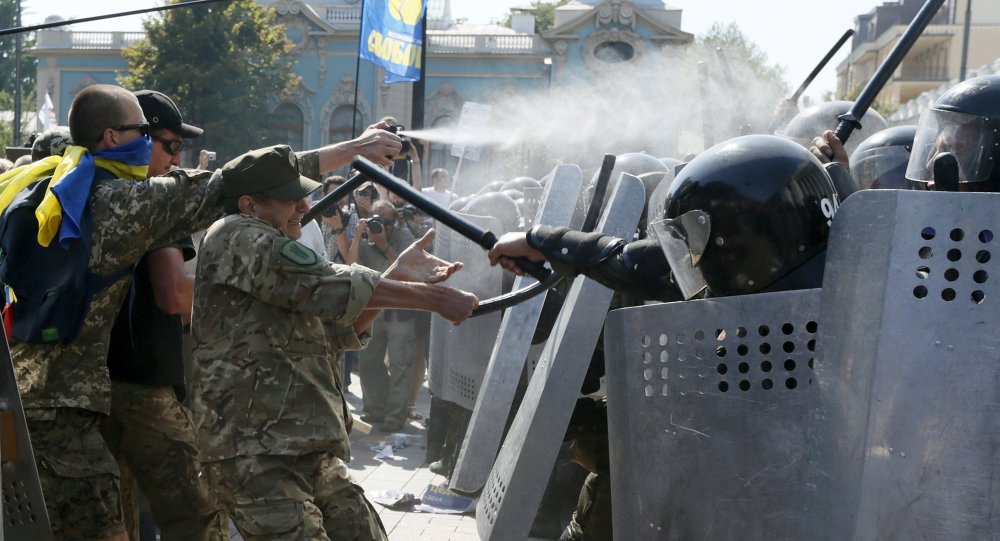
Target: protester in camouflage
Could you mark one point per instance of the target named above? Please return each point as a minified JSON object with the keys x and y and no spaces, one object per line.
{"x":268,"y":317}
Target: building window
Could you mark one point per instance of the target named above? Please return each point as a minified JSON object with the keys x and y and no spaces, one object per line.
{"x":614,"y":52}
{"x":286,"y":126}
{"x":341,"y":126}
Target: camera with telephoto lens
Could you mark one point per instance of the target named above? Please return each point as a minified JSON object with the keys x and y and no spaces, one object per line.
{"x":375,"y":225}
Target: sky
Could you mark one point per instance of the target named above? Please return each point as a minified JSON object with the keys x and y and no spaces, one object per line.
{"x":793,"y":33}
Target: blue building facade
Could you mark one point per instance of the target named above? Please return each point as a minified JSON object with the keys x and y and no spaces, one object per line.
{"x":465,"y":63}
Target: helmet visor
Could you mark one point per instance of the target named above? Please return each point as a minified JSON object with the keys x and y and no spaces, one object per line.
{"x":881,"y":168}
{"x":966,"y":136}
{"x":683,"y":241}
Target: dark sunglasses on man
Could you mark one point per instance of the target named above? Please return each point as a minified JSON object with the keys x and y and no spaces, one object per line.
{"x":143,"y":128}
{"x":172,"y":146}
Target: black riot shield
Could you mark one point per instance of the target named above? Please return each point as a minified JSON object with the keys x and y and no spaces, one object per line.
{"x":506,"y":362}
{"x":24,"y":514}
{"x":707,"y":408}
{"x":454,"y":368}
{"x":906,"y":438}
{"x":515,"y":486}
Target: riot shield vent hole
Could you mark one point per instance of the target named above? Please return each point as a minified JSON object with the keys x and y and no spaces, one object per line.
{"x":923,"y":272}
{"x":664,"y":356}
{"x":741,"y":332}
{"x":978,"y":296}
{"x":765,"y":348}
{"x":954,"y":254}
{"x":920,"y":292}
{"x":681,"y":338}
{"x":791,"y":383}
{"x":722,"y":368}
{"x":789,"y":365}
{"x":744,"y":385}
{"x":787,"y":328}
{"x":766,"y":366}
{"x":811,"y":346}
{"x":647,"y":375}
{"x":723,"y":387}
{"x":647,"y":357}
{"x":926,"y":252}
{"x":951,"y":275}
{"x":957,"y":235}
{"x":720,"y":351}
{"x":744,"y":368}
{"x":767,"y":384}
{"x":811,"y":327}
{"x":980,"y":276}
{"x":720,"y":334}
{"x":985,"y":236}
{"x":699,"y":336}
{"x":742,"y":350}
{"x":645,"y":341}
{"x":948,"y":295}
{"x":664,"y":339}
{"x":763,"y":330}
{"x":789,"y":347}
{"x":928,"y":233}
{"x":983,"y":256}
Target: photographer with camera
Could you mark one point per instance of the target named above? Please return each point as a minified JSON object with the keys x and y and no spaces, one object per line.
{"x":385,"y":392}
{"x":334,"y":223}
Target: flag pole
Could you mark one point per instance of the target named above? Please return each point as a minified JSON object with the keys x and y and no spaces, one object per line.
{"x":357,"y":72}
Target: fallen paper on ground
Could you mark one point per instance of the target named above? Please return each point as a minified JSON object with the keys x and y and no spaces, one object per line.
{"x":438,"y":499}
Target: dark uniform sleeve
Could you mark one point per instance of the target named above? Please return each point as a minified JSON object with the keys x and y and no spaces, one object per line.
{"x":638,"y":268}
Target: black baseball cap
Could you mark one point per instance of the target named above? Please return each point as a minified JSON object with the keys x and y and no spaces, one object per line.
{"x":161,"y":113}
{"x":271,"y":171}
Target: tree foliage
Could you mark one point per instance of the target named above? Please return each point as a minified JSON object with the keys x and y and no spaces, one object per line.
{"x":738,"y":47}
{"x":545,"y":14}
{"x":225,"y":65}
{"x":8,"y":19}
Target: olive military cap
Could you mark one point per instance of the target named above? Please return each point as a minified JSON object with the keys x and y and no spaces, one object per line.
{"x":271,"y":171}
{"x":52,"y":142}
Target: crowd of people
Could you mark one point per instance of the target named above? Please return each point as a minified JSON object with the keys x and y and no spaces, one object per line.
{"x":280,"y":314}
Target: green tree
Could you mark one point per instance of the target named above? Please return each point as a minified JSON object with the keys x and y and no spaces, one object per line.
{"x":8,"y":19}
{"x":746,"y":97}
{"x":545,"y":14}
{"x":225,"y":65}
{"x":738,"y":47}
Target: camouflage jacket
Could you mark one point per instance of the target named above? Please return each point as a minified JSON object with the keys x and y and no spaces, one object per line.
{"x":269,"y":319}
{"x":129,"y":219}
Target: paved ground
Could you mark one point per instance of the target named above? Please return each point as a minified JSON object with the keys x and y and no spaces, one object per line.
{"x":407,"y":475}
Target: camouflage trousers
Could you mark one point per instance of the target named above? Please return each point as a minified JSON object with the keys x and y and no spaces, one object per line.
{"x":78,"y":474}
{"x":152,"y":434}
{"x":592,"y":518}
{"x":309,"y":497}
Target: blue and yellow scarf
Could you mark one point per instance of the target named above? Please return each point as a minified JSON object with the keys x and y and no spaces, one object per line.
{"x":72,"y":175}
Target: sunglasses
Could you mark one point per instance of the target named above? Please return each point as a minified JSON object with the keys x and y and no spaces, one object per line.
{"x":143,"y":128}
{"x":173,"y":146}
{"x":373,"y":194}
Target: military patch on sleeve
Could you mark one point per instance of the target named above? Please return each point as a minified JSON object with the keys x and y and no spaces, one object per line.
{"x":298,"y":253}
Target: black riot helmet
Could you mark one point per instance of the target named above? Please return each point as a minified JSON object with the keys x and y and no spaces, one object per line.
{"x":745,"y":214}
{"x":964,"y":121}
{"x":813,"y":121}
{"x":879,"y":163}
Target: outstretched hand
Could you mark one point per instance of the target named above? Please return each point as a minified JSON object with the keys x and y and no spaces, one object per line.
{"x":378,"y":145}
{"x":415,"y":264}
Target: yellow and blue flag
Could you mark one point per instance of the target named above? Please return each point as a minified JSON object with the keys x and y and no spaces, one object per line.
{"x":392,"y":37}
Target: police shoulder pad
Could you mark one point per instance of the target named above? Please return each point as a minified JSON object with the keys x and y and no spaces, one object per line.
{"x":298,"y":253}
